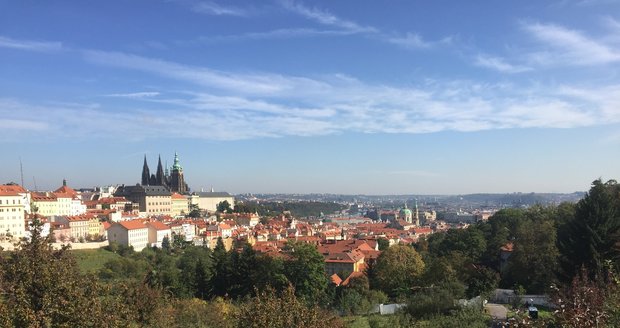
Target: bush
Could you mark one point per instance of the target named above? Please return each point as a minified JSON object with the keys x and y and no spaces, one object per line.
{"x":429,"y":302}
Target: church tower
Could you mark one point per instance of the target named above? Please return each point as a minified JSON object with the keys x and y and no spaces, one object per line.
{"x":160,"y":178}
{"x":177,"y":181}
{"x":146,"y":175}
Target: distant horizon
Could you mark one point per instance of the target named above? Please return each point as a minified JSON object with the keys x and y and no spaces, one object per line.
{"x":297,"y":96}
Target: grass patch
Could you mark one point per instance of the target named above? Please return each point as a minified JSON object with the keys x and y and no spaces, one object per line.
{"x":91,"y":260}
{"x":356,"y":322}
{"x":375,"y":321}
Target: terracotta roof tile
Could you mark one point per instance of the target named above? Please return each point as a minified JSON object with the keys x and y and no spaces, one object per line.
{"x":132,"y":225}
{"x":158,"y":225}
{"x":11,"y":190}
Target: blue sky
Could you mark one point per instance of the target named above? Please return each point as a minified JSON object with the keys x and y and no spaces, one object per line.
{"x":372,"y":97}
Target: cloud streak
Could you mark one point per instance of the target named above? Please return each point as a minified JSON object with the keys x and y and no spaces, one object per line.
{"x":136,"y":95}
{"x":228,"y":105}
{"x":568,"y":46}
{"x":326,"y":18}
{"x":212,"y":8}
{"x":231,"y":105}
{"x":29,"y":45}
{"x":499,"y":64}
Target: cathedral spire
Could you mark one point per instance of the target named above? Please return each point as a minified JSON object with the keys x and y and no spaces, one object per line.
{"x":146,"y":175}
{"x":159,"y":177}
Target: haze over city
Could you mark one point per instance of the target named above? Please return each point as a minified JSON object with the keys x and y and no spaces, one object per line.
{"x":300,"y":97}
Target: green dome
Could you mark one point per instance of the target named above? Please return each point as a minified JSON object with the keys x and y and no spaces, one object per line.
{"x":405,"y":212}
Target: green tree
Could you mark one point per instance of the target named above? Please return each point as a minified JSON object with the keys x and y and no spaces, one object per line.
{"x":499,"y":230}
{"x":482,"y":281}
{"x":222,"y":270}
{"x":397,"y":269}
{"x":591,"y":237}
{"x":244,"y":275}
{"x":383,"y":244}
{"x":470,"y":242}
{"x":224,"y":207}
{"x":196,"y":268}
{"x":43,"y":287}
{"x":534,"y":260}
{"x":194,"y":211}
{"x":306,"y":271}
{"x":165,"y":244}
{"x":284,"y":310}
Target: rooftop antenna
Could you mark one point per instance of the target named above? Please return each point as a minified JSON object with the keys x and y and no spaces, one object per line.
{"x":21,"y":170}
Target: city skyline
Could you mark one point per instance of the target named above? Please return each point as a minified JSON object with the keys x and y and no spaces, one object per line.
{"x":304,"y":97}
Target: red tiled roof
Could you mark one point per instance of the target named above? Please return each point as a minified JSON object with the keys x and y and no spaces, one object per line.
{"x":112,"y":200}
{"x":132,"y":225}
{"x":158,"y":225}
{"x":11,"y":190}
{"x":351,"y":276}
{"x":83,"y":217}
{"x":335,"y":279}
{"x":106,"y":225}
{"x":66,"y":192}
{"x":507,"y":247}
{"x":42,"y":197}
{"x":177,"y":196}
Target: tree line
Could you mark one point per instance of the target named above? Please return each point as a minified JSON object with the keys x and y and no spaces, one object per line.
{"x":568,"y":251}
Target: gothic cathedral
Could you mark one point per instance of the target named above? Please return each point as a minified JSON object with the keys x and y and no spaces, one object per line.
{"x":173,"y":179}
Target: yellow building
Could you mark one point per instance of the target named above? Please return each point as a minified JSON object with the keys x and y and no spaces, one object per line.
{"x":95,"y":227}
{"x":180,"y":204}
{"x":78,"y":225}
{"x":46,"y":204}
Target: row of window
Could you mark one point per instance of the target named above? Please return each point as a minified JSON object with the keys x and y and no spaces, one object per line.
{"x":9,"y":226}
{"x":19,"y":201}
{"x":12,"y":210}
{"x":11,"y":218}
{"x":159,"y":203}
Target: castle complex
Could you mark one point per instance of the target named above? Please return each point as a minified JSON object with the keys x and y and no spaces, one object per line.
{"x":171,"y":179}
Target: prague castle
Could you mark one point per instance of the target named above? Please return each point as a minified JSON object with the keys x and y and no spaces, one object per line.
{"x":172,"y":179}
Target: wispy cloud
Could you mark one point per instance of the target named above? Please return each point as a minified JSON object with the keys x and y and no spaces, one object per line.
{"x":410,"y":40}
{"x":285,"y":33}
{"x":568,"y":46}
{"x":212,"y":8}
{"x":257,"y":105}
{"x":137,"y":95}
{"x":499,"y":64}
{"x":29,"y":45}
{"x":326,"y":18}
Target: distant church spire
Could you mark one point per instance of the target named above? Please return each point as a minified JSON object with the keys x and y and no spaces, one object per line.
{"x":146,"y":174}
{"x":159,"y":177}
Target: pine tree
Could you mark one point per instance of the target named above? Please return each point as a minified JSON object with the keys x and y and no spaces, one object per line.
{"x":592,"y":236}
{"x":222,"y":270}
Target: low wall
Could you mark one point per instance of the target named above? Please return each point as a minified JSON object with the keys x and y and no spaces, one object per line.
{"x":94,"y":245}
{"x":508,"y":296}
{"x":387,"y":308}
